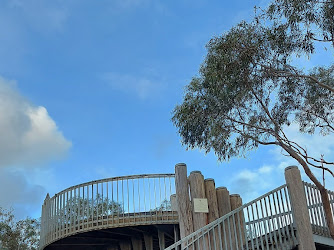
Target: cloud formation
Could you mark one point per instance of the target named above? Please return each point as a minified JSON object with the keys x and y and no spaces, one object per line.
{"x":251,"y":183}
{"x":28,"y":134}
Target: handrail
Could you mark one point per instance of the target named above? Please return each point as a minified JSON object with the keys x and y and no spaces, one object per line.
{"x":106,"y":203}
{"x":316,"y":209}
{"x":263,"y":222}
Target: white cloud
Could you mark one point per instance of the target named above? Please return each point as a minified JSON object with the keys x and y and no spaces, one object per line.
{"x":28,"y":134}
{"x":140,"y":86}
{"x":251,"y":183}
{"x":265,"y":169}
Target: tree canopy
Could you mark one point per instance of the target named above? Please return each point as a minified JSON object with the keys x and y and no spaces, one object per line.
{"x":249,"y":89}
{"x":21,"y":234}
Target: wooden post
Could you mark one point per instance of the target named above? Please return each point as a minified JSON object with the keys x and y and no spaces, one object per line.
{"x":137,"y":243}
{"x":197,"y":191}
{"x":224,"y":207}
{"x":210,"y":193}
{"x":299,"y":207}
{"x":125,"y":245}
{"x":239,"y":224}
{"x":161,"y":236}
{"x":183,"y":201}
{"x":148,"y":242}
{"x":173,"y":202}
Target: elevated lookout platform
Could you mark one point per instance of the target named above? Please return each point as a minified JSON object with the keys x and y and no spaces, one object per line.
{"x":177,"y":211}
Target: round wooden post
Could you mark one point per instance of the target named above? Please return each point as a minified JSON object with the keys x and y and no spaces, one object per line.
{"x":239,"y":224}
{"x":197,"y":191}
{"x":224,"y":207}
{"x":173,"y":202}
{"x":183,"y":201}
{"x":210,"y":193}
{"x":299,"y":207}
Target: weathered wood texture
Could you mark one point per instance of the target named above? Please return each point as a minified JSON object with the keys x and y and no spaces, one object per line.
{"x":299,"y":207}
{"x":137,"y":243}
{"x":197,"y":190}
{"x":148,"y":242}
{"x":183,"y":202}
{"x":210,"y":193}
{"x":238,"y":224}
{"x":173,"y":202}
{"x":224,"y":207}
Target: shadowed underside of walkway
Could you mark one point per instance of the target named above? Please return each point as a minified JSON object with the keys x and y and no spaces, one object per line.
{"x":104,"y":239}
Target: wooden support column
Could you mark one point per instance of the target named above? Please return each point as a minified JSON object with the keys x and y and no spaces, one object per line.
{"x":183,"y":201}
{"x":224,"y":207}
{"x":125,"y":245}
{"x":161,"y":236}
{"x":148,"y":241}
{"x":210,"y":193}
{"x":173,"y":202}
{"x":197,"y":191}
{"x":137,"y":243}
{"x":299,"y":206}
{"x":239,"y":224}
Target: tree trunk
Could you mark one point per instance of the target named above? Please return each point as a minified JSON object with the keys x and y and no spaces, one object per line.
{"x":322,"y":189}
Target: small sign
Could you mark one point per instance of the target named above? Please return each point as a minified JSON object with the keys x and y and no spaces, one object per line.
{"x":201,"y":205}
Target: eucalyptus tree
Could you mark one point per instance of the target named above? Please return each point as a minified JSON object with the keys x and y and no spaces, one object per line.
{"x":18,"y":234}
{"x":249,"y":91}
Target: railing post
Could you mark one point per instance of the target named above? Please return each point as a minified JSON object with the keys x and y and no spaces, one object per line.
{"x":183,"y":201}
{"x":299,"y":206}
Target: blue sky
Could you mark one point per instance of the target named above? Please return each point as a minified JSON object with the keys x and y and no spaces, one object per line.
{"x":87,"y":89}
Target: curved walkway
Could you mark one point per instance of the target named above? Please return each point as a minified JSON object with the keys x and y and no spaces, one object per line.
{"x":108,"y":203}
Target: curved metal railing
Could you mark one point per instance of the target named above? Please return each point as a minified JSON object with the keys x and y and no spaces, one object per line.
{"x":107,"y":203}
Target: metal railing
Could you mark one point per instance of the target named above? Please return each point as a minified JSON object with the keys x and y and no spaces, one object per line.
{"x":107,"y":203}
{"x":264,"y":223}
{"x":316,"y":209}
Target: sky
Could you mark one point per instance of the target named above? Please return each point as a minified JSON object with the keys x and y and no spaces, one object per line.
{"x":87,"y":89}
